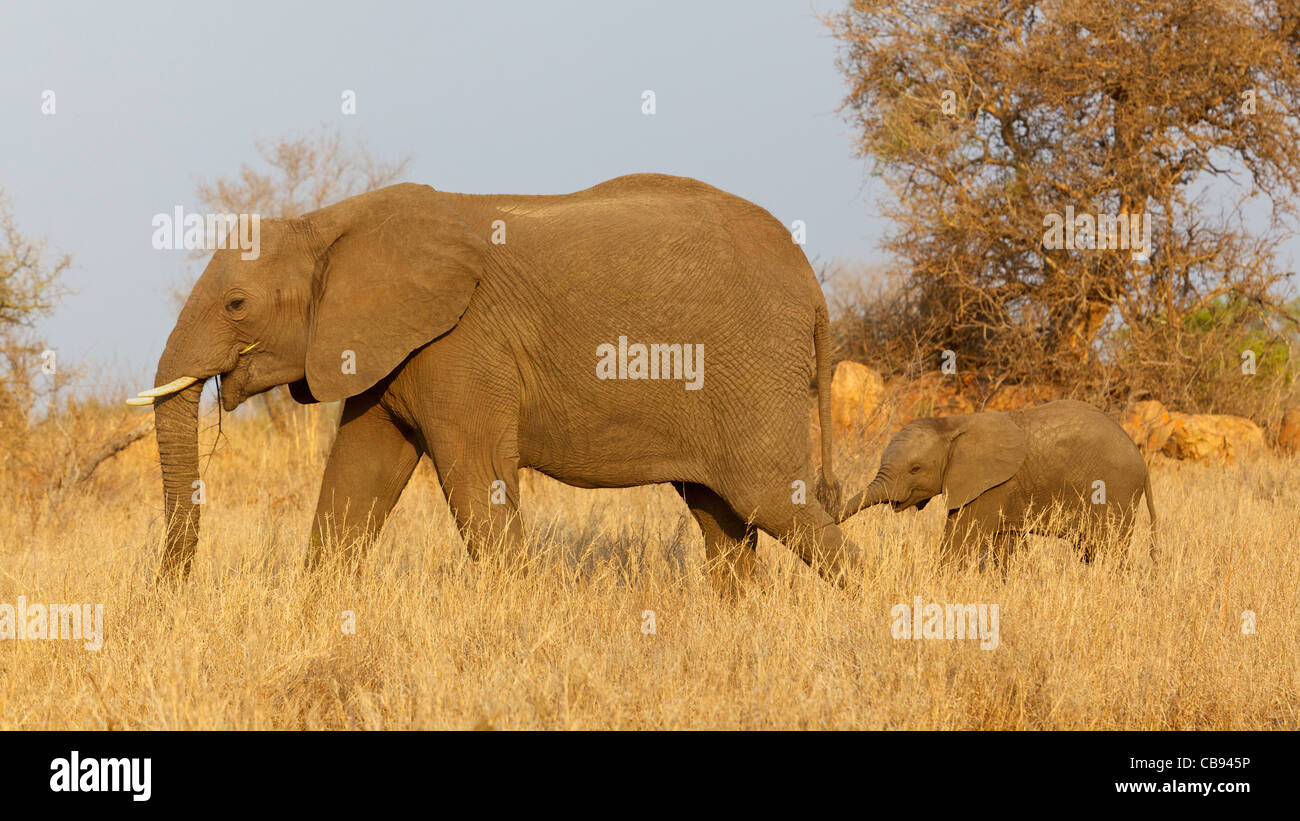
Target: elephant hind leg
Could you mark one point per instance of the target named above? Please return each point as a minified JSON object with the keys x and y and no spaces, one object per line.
{"x":809,"y":531}
{"x":1086,"y":545}
{"x":1111,"y":528}
{"x":730,"y":544}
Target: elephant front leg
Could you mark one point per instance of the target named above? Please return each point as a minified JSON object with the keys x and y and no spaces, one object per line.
{"x":370,"y":462}
{"x":486,"y":508}
{"x":1001,"y":546}
{"x":963,"y":537}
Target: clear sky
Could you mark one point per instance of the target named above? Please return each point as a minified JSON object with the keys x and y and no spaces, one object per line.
{"x":524,"y":97}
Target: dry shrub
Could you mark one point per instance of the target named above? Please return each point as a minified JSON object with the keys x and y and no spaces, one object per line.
{"x":1235,"y":358}
{"x":1196,"y":366}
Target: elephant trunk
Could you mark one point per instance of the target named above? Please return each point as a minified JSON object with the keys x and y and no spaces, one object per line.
{"x":876,"y":493}
{"x":176,"y":423}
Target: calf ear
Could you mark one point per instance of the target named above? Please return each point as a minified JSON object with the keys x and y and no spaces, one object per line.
{"x":986,"y":450}
{"x":396,"y":270}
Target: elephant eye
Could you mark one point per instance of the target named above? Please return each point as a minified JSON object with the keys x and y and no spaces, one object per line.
{"x":235,"y":304}
{"x":916,"y":468}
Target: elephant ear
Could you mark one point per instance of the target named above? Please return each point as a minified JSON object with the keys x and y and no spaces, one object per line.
{"x":986,"y":450}
{"x":396,"y":270}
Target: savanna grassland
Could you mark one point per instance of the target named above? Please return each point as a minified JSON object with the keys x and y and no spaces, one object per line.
{"x":254,"y":642}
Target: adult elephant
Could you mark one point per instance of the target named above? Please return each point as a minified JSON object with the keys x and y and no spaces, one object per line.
{"x":495,"y":332}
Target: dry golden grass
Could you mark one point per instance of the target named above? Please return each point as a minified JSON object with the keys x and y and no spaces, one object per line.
{"x":252,"y":642}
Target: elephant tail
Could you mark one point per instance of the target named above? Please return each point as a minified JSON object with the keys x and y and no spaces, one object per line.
{"x":1151,"y":511}
{"x":828,"y":487}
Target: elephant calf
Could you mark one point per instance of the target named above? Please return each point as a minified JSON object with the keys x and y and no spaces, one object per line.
{"x":1061,"y":469}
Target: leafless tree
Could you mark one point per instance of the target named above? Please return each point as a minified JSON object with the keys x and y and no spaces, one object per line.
{"x":30,"y":288}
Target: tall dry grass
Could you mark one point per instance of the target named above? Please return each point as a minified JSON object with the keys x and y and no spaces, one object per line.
{"x":252,"y":642}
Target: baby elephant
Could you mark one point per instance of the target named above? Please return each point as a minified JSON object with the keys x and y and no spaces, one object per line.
{"x":1065,"y":460}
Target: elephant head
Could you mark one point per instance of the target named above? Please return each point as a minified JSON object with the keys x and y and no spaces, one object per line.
{"x":962,"y":456}
{"x":333,"y":303}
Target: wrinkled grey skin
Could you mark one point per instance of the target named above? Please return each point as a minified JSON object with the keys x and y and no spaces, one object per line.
{"x":483,"y":357}
{"x":1000,"y":470}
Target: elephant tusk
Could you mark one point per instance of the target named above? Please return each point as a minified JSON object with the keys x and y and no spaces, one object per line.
{"x":170,"y":387}
{"x":147,"y":397}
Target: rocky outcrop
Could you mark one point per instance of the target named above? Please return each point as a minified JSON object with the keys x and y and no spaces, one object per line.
{"x":932,"y":394}
{"x":1016,"y":397}
{"x":863,"y":403}
{"x":856,"y":394}
{"x":1149,"y":424}
{"x":1200,"y":436}
{"x":1194,"y":436}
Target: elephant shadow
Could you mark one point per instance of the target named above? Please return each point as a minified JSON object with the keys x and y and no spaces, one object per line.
{"x":628,"y":532}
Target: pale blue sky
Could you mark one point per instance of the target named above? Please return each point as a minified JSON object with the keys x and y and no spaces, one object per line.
{"x":524,"y":97}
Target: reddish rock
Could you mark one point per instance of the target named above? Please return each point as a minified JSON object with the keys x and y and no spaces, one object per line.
{"x":933,"y":394}
{"x":1149,"y":424}
{"x":1200,"y":436}
{"x":856,"y":393}
{"x":1016,"y":397}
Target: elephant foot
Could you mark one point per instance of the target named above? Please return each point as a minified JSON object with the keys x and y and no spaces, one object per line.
{"x":731,"y":580}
